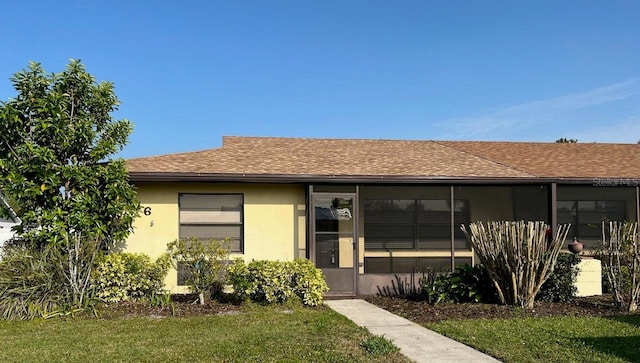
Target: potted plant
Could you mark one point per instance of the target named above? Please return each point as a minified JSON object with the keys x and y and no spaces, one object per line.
{"x":575,"y":246}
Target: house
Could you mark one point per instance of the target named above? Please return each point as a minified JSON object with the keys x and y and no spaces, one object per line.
{"x":364,"y":210}
{"x":8,"y":219}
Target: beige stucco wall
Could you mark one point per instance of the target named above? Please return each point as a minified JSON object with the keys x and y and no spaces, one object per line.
{"x":274,"y":220}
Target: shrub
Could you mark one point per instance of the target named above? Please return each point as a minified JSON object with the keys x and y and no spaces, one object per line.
{"x":464,"y":284}
{"x":431,"y":288}
{"x":469,"y":284}
{"x":519,"y":256}
{"x":620,"y":257}
{"x":404,"y":288}
{"x":277,"y":281}
{"x":30,"y":284}
{"x":307,"y":281}
{"x":204,"y":263}
{"x":123,"y":276}
{"x":379,"y":345}
{"x":561,"y":285}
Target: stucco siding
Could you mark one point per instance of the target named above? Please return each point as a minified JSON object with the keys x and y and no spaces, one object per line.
{"x":274,"y":220}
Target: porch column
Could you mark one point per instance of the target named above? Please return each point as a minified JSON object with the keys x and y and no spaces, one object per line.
{"x":638,"y":204}
{"x":554,"y":208}
{"x":453,"y":226}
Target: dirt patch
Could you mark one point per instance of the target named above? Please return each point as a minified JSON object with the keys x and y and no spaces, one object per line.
{"x":421,"y":312}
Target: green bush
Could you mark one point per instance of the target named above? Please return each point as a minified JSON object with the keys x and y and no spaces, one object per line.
{"x":277,"y":281}
{"x":561,"y":285}
{"x":470,"y":284}
{"x":123,"y":276}
{"x":30,"y":285}
{"x":307,"y":281}
{"x":432,"y":288}
{"x":465,"y":284}
{"x":204,"y":263}
{"x":379,"y":345}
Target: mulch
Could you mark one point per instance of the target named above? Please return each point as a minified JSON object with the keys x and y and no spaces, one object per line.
{"x":417,"y":311}
{"x":180,"y":306}
{"x":421,"y":312}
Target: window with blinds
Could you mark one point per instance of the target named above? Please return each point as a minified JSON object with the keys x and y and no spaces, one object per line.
{"x":213,"y":216}
{"x":410,"y":224}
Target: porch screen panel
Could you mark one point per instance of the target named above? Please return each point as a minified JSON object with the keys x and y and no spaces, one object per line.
{"x":389,"y":224}
{"x":586,"y":207}
{"x":412,"y":224}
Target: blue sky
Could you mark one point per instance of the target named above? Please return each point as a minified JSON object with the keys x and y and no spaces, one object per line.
{"x":189,"y":72}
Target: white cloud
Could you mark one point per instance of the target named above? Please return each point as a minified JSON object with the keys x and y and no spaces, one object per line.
{"x":538,"y":115}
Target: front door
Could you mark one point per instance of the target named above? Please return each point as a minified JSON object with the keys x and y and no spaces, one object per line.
{"x":334,"y":240}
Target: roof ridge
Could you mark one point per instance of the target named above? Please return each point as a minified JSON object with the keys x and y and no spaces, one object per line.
{"x":174,"y":154}
{"x":485,"y":158}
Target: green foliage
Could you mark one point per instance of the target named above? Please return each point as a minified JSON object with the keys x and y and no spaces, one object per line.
{"x":28,"y":289}
{"x":56,"y":143}
{"x":379,"y":345}
{"x":470,"y":284}
{"x":276,"y":281}
{"x":204,"y":263}
{"x":561,"y":285}
{"x":307,"y":281}
{"x":564,"y":140}
{"x":161,"y":300}
{"x":56,"y":134}
{"x":432,"y":288}
{"x":123,"y":276}
{"x":464,"y":284}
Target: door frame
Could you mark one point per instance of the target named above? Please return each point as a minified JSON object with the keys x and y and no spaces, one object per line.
{"x":355,"y":238}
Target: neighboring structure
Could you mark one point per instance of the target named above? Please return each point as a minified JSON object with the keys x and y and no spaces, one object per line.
{"x":364,"y":210}
{"x":8,"y":219}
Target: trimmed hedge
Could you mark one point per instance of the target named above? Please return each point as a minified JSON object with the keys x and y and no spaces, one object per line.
{"x":123,"y":276}
{"x":277,"y":281}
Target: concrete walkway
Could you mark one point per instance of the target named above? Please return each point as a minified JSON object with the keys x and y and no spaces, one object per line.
{"x":415,"y":342}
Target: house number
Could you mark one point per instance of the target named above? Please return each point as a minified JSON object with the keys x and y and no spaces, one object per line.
{"x":147,"y":211}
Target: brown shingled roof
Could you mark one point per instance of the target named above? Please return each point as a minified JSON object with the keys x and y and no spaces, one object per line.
{"x":303,"y":158}
{"x":559,"y":160}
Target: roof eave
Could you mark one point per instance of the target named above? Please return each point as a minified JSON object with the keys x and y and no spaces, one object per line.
{"x":364,"y":179}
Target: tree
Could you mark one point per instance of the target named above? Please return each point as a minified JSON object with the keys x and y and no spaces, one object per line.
{"x":203,"y":262}
{"x":57,"y":139}
{"x":519,"y":256}
{"x":564,"y":140}
{"x":620,"y":257}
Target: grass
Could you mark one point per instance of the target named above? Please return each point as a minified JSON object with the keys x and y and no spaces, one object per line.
{"x":556,"y":339}
{"x":257,"y":334}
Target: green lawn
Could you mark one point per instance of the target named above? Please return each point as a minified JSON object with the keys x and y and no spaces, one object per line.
{"x":559,"y":339}
{"x":258,"y":334}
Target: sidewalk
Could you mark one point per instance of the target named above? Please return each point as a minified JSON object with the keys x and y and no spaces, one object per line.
{"x":415,"y":342}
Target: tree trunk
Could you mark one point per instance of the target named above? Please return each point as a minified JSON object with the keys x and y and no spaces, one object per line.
{"x":201,"y":297}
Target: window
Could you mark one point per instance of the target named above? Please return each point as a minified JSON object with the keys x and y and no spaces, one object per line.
{"x":213,"y":216}
{"x":586,"y":216}
{"x":411,"y":224}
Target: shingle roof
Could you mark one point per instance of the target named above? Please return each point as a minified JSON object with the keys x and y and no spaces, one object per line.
{"x":331,"y":158}
{"x":560,"y":160}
